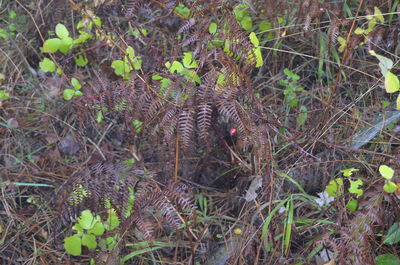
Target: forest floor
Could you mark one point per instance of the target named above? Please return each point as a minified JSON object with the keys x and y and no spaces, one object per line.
{"x":199,"y":132}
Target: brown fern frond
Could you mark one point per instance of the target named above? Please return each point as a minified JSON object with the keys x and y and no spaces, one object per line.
{"x":146,"y":226}
{"x":186,"y":126}
{"x":132,"y":7}
{"x":204,"y":119}
{"x":187,"y":26}
{"x":228,"y":109}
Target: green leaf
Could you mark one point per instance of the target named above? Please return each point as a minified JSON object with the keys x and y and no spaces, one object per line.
{"x":354,"y":187}
{"x":391,"y":83}
{"x":97,"y":21}
{"x":176,"y":67}
{"x":378,"y":15}
{"x":343,"y":44}
{"x":348,"y":171}
{"x":302,"y":117}
{"x":4,"y":95}
{"x":52,"y":45}
{"x":393,"y":235}
{"x":352,"y":205}
{"x":65,"y":45}
{"x":259,"y":59}
{"x":188,"y":61}
{"x":137,"y":63}
{"x":47,"y":65}
{"x":119,"y":67}
{"x":75,"y":83}
{"x":73,"y":245}
{"x":386,"y":172}
{"x":398,"y":102}
{"x":359,"y":31}
{"x":264,"y":25}
{"x":165,"y":82}
{"x":3,"y":34}
{"x":334,"y":187}
{"x":213,"y":28}
{"x":97,"y":229}
{"x":78,"y":93}
{"x":68,"y":93}
{"x":387,"y":259}
{"x":61,"y":31}
{"x":156,"y":77}
{"x":89,"y":241}
{"x":78,"y":228}
{"x":81,"y":60}
{"x":253,"y":39}
{"x":384,"y":63}
{"x":246,"y":23}
{"x":12,"y":14}
{"x":112,"y":220}
{"x":390,"y":187}
{"x":99,"y":116}
{"x":86,"y":220}
{"x":130,"y":52}
{"x":83,"y":37}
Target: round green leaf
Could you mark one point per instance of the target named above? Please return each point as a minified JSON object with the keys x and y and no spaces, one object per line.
{"x":89,"y":241}
{"x":75,"y":83}
{"x":334,"y":187}
{"x":352,"y":205}
{"x":86,"y":220}
{"x":73,"y":245}
{"x":247,"y":23}
{"x":391,"y":83}
{"x":390,"y":187}
{"x":78,"y":93}
{"x":119,"y":67}
{"x":213,"y":28}
{"x":393,"y":235}
{"x":68,"y":94}
{"x":52,"y":45}
{"x":47,"y":65}
{"x":66,"y":45}
{"x":130,"y":52}
{"x":98,"y":229}
{"x":61,"y":31}
{"x":387,"y":259}
{"x":386,"y":172}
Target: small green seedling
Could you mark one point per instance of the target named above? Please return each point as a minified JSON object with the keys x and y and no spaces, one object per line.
{"x":291,"y":87}
{"x":88,"y":228}
{"x":387,"y":173}
{"x":63,"y":43}
{"x":182,"y":10}
{"x":129,"y":62}
{"x":69,"y":93}
{"x":392,"y":83}
{"x":242,"y":15}
{"x":335,"y":187}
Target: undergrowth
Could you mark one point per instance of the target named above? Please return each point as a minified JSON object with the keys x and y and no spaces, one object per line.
{"x":199,"y":132}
